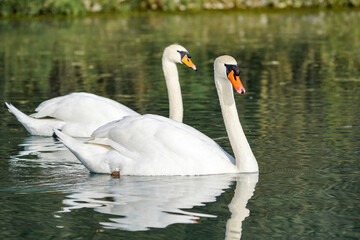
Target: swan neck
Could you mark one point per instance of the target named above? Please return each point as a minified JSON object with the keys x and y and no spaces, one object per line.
{"x":245,"y":159}
{"x":245,"y":188}
{"x":174,"y":90}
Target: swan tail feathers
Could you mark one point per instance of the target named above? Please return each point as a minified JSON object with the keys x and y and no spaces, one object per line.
{"x":90,"y":155}
{"x":41,"y":127}
{"x":22,"y":117}
{"x":65,"y":139}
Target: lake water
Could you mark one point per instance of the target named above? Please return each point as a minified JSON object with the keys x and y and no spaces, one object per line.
{"x":301,"y":115}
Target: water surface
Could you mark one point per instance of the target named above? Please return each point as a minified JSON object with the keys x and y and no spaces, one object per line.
{"x":300,"y":114}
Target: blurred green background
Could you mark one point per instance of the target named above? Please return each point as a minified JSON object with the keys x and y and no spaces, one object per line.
{"x":82,"y":7}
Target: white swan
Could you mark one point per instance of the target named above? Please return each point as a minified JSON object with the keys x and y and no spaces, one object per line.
{"x":155,"y":145}
{"x":79,"y":114}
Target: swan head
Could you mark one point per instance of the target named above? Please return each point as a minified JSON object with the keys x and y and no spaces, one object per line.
{"x":178,"y":54}
{"x":226,"y":69}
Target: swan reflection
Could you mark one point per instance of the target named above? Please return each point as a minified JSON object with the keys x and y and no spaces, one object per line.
{"x":141,"y":203}
{"x":133,"y":203}
{"x":46,"y":155}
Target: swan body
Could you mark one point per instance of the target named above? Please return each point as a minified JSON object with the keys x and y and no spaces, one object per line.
{"x":150,"y":145}
{"x":155,"y":145}
{"x":79,"y":114}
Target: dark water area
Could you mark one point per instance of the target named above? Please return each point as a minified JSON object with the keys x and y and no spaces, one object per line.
{"x":300,"y":114}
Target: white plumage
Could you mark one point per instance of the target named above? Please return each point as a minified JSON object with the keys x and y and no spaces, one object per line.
{"x":155,"y":145}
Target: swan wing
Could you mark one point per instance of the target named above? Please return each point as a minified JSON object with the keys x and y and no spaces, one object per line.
{"x":160,"y":146}
{"x":82,"y":107}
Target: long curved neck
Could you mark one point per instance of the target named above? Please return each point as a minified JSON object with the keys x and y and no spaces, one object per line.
{"x":245,"y":159}
{"x":174,"y":90}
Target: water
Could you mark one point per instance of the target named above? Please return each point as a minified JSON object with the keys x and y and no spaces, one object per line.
{"x":300,"y":114}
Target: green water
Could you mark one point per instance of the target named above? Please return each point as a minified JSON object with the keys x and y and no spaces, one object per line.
{"x":300,"y":114}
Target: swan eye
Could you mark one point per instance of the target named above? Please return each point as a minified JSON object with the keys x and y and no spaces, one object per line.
{"x":185,"y":59}
{"x":232,"y":67}
{"x":233,"y":74}
{"x":183,"y":54}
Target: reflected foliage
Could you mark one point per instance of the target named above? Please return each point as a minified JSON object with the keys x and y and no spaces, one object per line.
{"x":81,"y":7}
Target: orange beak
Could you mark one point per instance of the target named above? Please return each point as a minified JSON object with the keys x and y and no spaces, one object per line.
{"x":235,"y":81}
{"x":187,"y":61}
